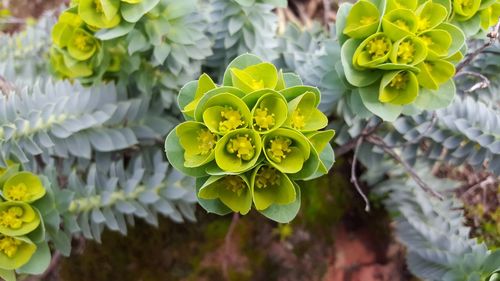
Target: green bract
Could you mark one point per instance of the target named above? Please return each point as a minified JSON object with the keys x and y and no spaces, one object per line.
{"x":248,"y":140}
{"x":398,"y":53}
{"x":15,"y":251}
{"x":24,"y":187}
{"x":17,"y":218}
{"x":474,"y":16}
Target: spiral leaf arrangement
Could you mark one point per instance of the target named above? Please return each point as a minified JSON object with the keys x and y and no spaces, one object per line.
{"x":250,"y":139}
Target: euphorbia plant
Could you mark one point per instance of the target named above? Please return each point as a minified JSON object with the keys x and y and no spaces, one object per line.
{"x":249,"y":140}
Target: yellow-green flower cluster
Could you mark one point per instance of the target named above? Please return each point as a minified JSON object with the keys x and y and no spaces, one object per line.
{"x":19,"y":219}
{"x":76,"y":52}
{"x":474,"y":15}
{"x":395,"y":50}
{"x":401,"y":47}
{"x":249,"y":139}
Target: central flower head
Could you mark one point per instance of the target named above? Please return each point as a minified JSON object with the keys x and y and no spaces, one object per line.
{"x":235,"y":184}
{"x":206,"y":141}
{"x":464,"y":4}
{"x":267,"y":177}
{"x":298,"y":120}
{"x":278,"y":148}
{"x":423,"y":23}
{"x":241,"y":146}
{"x":263,"y":120}
{"x":257,"y":84}
{"x":406,"y":52}
{"x":9,"y":245}
{"x":231,"y":120}
{"x":378,"y":47}
{"x":82,"y":42}
{"x":365,"y":20}
{"x":11,"y":218}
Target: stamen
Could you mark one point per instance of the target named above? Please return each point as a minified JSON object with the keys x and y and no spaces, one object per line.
{"x":98,"y":6}
{"x":9,"y":245}
{"x":399,"y":81}
{"x":235,"y":184}
{"x":267,"y":177}
{"x":17,"y":192}
{"x":298,"y":120}
{"x":206,"y":141}
{"x":402,"y":24}
{"x":231,"y":120}
{"x":423,"y":23}
{"x":257,"y":84}
{"x":378,"y":47}
{"x":11,"y":218}
{"x":263,"y":120}
{"x":406,"y":52}
{"x":241,"y":146}
{"x":279,"y":148}
{"x":367,"y":20}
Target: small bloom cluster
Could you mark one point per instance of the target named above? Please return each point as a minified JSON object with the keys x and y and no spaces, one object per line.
{"x":251,"y":138}
{"x":475,"y":15}
{"x":19,"y":218}
{"x":399,"y":48}
{"x":76,"y":52}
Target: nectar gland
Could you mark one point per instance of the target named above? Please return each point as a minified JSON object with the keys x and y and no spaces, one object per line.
{"x":267,"y":177}
{"x":9,"y":245}
{"x":11,"y":217}
{"x":235,"y":184}
{"x":241,"y":146}
{"x":231,"y":120}
{"x":263,"y":120}
{"x":279,"y":148}
{"x":206,"y":141}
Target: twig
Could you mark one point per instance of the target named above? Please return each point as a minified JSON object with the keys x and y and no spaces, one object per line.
{"x":326,"y":11}
{"x":351,"y":144}
{"x":354,"y":179}
{"x":376,"y":140}
{"x":484,"y":83}
{"x":493,"y":36}
{"x":227,"y":244}
{"x":488,"y":180}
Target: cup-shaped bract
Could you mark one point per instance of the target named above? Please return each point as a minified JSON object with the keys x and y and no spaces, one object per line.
{"x":363,"y":20}
{"x":23,"y":187}
{"x":304,"y":116}
{"x":64,"y":28}
{"x":238,"y":150}
{"x":269,"y":113}
{"x":372,"y":52}
{"x":58,"y":61}
{"x":489,"y":16}
{"x":232,"y":190}
{"x":15,"y":251}
{"x":255,"y":77}
{"x":438,"y":42}
{"x":205,"y":84}
{"x":434,"y":73}
{"x":430,"y":15}
{"x":399,"y":23}
{"x":286,"y":150}
{"x":82,"y":45}
{"x":100,"y":13}
{"x":398,"y":87}
{"x":5,"y":173}
{"x":465,"y":9}
{"x":225,"y":112}
{"x":132,"y":1}
{"x":408,"y":50}
{"x":401,"y":4}
{"x":270,"y":186}
{"x":198,"y":143}
{"x":17,"y":218}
